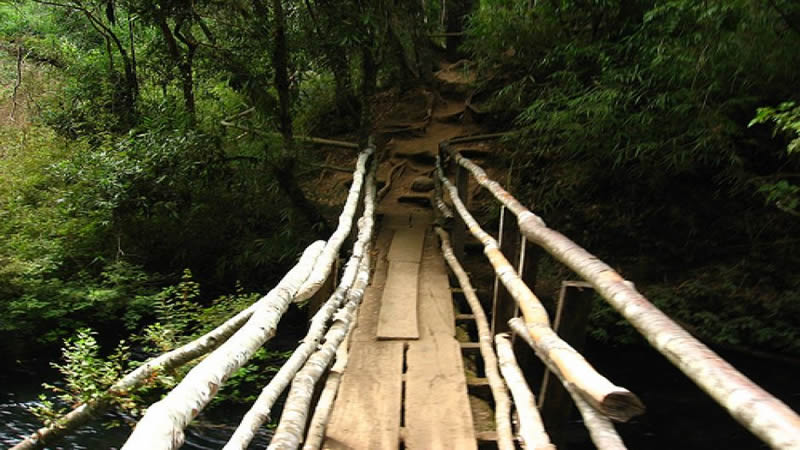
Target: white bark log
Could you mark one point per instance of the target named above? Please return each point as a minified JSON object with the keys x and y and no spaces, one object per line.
{"x":162,"y":363}
{"x":291,"y":428}
{"x":262,"y":407}
{"x":502,"y":410}
{"x":615,"y":401}
{"x":531,"y":429}
{"x":334,"y":244}
{"x":323,"y":409}
{"x":601,"y":430}
{"x":761,"y":413}
{"x":163,"y":424}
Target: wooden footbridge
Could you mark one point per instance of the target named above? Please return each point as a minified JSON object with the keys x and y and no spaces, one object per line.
{"x":381,"y":368}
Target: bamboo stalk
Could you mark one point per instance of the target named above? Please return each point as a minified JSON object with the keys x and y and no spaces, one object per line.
{"x":758,"y":411}
{"x":162,"y":363}
{"x":260,"y":411}
{"x":601,"y":430}
{"x":291,"y":428}
{"x":615,"y":401}
{"x":531,"y":429}
{"x":163,"y":424}
{"x":502,"y":413}
{"x":324,"y":264}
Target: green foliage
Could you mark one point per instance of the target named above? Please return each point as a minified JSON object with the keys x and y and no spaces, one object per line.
{"x":86,"y":374}
{"x":786,"y":117}
{"x":633,"y":139}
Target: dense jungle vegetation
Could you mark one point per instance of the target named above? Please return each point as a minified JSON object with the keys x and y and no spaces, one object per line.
{"x":148,"y":172}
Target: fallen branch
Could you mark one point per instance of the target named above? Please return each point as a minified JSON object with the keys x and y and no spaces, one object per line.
{"x":307,"y":139}
{"x":761,"y":413}
{"x":615,"y":401}
{"x":502,"y":412}
{"x":163,"y":424}
{"x":531,"y":429}
{"x":601,"y":430}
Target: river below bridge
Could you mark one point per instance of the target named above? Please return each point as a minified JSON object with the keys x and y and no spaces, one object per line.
{"x":679,"y":415}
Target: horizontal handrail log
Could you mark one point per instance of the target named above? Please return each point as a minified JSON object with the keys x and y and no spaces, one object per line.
{"x":761,"y":413}
{"x":502,"y":408}
{"x":291,"y":428}
{"x":601,"y":430}
{"x":531,"y":428}
{"x":162,"y":425}
{"x":324,"y":264}
{"x":262,"y":407}
{"x":615,"y":401}
{"x":163,"y":363}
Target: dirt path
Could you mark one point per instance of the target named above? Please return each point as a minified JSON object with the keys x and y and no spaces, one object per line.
{"x":404,"y":386}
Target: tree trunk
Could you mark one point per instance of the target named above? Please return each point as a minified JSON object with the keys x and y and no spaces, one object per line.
{"x":280,"y":60}
{"x":370,"y":74}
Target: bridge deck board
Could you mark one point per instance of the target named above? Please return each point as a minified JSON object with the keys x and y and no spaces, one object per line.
{"x":438,"y":414}
{"x":368,"y":416}
{"x":372,"y":400}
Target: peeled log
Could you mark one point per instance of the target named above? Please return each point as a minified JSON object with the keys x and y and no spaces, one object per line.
{"x":502,"y":410}
{"x":615,"y":401}
{"x":531,"y":429}
{"x":325,"y":262}
{"x":601,"y":430}
{"x":761,"y":413}
{"x":163,"y":424}
{"x":262,"y":407}
{"x":291,"y":428}
{"x":162,"y":363}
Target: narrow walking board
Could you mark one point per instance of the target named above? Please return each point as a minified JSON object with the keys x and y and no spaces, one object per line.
{"x":372,"y":386}
{"x":407,"y":245}
{"x":437,"y":410}
{"x":398,"y":314}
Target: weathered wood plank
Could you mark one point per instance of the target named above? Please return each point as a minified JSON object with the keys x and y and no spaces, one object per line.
{"x":398,"y":315}
{"x":367,"y":411}
{"x":436,"y":315}
{"x":437,"y":411}
{"x":407,"y":245}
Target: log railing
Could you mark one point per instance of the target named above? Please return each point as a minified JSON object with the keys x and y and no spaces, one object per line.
{"x":761,"y":413}
{"x":233,"y":343}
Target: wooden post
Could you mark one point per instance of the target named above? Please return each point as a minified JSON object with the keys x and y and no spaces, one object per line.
{"x":572,"y":318}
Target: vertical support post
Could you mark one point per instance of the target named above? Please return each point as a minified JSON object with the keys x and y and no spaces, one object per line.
{"x":505,"y":307}
{"x":572,"y":318}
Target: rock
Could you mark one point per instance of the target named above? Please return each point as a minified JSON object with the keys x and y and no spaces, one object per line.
{"x":422,"y":184}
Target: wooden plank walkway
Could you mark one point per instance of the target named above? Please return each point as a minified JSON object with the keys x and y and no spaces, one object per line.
{"x":419,"y":398}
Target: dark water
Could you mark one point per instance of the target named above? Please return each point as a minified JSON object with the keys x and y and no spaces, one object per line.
{"x":679,"y":415}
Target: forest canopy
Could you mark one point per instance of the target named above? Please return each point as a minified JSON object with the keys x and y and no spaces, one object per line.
{"x":139,"y":139}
